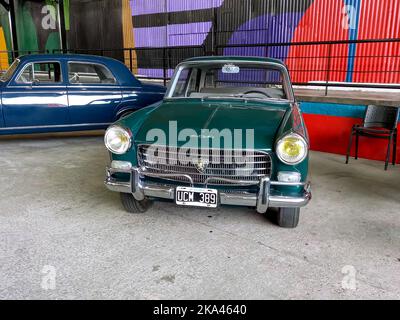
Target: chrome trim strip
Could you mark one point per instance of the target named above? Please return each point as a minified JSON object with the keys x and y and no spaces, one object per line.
{"x":261,"y":201}
{"x":291,"y":184}
{"x":234,"y":182}
{"x":136,"y":185}
{"x":167,"y":175}
{"x":263,"y":195}
{"x":159,"y":192}
{"x":22,"y":86}
{"x":57,"y":126}
{"x":240,"y":199}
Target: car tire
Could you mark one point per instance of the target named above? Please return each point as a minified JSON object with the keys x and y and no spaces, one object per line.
{"x":132,"y":205}
{"x":288,"y":217}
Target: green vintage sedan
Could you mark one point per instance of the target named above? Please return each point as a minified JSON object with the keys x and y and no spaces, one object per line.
{"x":228,"y":132}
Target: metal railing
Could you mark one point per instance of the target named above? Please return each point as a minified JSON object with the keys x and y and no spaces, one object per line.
{"x":323,"y":63}
{"x":158,"y":63}
{"x":7,"y":57}
{"x":318,"y":63}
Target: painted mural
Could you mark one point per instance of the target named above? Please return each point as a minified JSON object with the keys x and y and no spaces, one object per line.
{"x":214,"y":23}
{"x":36,"y":29}
{"x":208,"y":26}
{"x":160,"y":23}
{"x":5,"y":39}
{"x":87,"y":24}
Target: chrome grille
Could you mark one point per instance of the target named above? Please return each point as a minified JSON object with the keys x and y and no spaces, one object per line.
{"x":220,"y":163}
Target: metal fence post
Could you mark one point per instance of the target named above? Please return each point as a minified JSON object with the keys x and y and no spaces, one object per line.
{"x":328,"y":69}
{"x":164,"y":66}
{"x":130,"y":60}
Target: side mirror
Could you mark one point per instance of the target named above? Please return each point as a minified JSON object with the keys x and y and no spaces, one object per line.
{"x":35,"y":82}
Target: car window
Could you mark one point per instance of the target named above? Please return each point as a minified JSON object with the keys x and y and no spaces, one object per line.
{"x":88,"y":73}
{"x":181,"y":83}
{"x":237,"y":80}
{"x":41,"y":73}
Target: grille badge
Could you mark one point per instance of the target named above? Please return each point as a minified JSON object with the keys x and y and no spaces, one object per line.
{"x":201,"y":165}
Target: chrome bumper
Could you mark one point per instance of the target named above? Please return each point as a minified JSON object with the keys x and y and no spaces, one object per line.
{"x":261,"y":201}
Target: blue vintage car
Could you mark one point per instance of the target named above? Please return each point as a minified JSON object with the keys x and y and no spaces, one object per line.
{"x":48,"y":93}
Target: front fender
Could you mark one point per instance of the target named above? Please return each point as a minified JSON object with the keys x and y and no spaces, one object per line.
{"x":292,"y":122}
{"x":123,"y":110}
{"x":133,"y":122}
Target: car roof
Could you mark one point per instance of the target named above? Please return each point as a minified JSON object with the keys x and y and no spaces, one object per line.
{"x":234,"y":58}
{"x":125,"y":77}
{"x":82,"y":57}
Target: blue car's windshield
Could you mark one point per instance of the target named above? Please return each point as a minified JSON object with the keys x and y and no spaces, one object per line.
{"x":9,"y":73}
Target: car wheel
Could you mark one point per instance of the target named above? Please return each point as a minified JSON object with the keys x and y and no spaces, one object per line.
{"x":132,"y":205}
{"x":288,"y":217}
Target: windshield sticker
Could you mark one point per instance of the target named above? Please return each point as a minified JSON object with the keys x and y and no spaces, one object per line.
{"x":230,"y":68}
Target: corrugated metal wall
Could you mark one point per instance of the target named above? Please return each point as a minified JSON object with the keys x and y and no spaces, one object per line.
{"x":378,"y":20}
{"x":216,"y":23}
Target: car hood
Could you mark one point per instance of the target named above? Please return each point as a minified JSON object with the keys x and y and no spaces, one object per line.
{"x":195,"y":115}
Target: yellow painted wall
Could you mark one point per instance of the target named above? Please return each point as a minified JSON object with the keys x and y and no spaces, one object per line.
{"x":3,"y":51}
{"x":129,"y":39}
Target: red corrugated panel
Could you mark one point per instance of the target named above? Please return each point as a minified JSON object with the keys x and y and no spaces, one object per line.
{"x":321,"y":22}
{"x":379,"y":19}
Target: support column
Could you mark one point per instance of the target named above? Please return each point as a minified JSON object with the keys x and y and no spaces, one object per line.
{"x":13,"y":28}
{"x":61,"y":25}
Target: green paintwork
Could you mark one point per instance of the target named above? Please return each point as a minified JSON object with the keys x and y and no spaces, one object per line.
{"x":26,"y":29}
{"x":270,"y":120}
{"x":194,"y":114}
{"x":53,"y":42}
{"x":66,"y":14}
{"x":5,"y":24}
{"x":134,"y":123}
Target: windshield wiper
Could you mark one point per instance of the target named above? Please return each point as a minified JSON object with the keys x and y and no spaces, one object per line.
{"x":239,"y":96}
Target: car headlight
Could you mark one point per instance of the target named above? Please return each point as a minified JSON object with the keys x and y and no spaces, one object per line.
{"x":117,"y":140}
{"x":292,"y":149}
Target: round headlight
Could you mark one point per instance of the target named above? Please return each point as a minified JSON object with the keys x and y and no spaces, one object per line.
{"x":117,"y":140}
{"x":292,"y":149}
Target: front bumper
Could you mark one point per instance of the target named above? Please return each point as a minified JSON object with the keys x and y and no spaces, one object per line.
{"x":261,"y":200}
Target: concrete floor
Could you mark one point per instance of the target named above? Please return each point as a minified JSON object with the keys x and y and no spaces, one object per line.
{"x":58,"y":222}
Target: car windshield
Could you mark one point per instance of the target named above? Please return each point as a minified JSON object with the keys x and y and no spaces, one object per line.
{"x":9,"y":73}
{"x":236,"y":80}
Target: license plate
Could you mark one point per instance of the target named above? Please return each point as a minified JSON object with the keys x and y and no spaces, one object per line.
{"x":197,"y":197}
